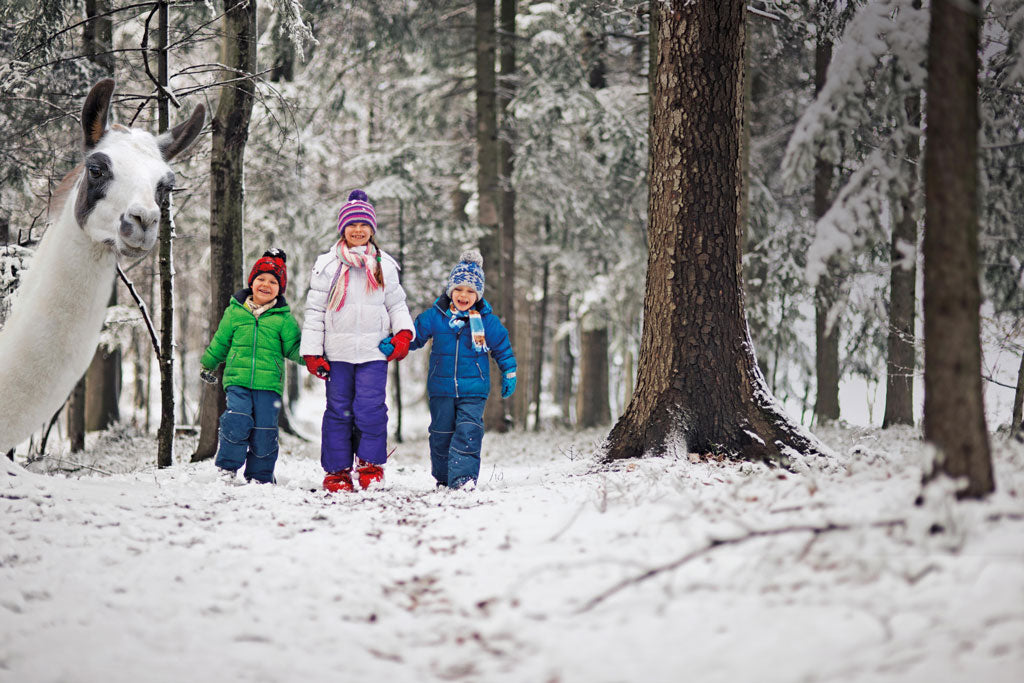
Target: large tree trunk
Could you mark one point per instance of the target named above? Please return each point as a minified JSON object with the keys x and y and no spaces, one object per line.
{"x":592,"y":394}
{"x":826,"y":330}
{"x":954,"y":417}
{"x":698,"y":378}
{"x":900,"y":361}
{"x":487,"y":157}
{"x":230,"y":128}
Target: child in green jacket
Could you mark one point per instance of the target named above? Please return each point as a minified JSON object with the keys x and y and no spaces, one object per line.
{"x":255,"y":335}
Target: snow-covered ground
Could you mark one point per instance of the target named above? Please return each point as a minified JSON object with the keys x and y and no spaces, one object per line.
{"x":556,"y":569}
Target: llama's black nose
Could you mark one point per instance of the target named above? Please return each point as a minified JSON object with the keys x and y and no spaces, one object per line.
{"x":138,"y":225}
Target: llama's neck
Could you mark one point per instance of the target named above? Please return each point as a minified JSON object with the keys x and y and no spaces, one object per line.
{"x":69,"y":279}
{"x":53,"y":327}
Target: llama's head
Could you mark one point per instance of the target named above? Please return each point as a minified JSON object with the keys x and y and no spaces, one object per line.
{"x":126,"y":176}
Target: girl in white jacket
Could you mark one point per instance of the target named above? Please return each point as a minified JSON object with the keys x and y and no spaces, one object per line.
{"x":354,"y":301}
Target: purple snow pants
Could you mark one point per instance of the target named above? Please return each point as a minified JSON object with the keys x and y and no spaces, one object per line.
{"x":355,"y":396}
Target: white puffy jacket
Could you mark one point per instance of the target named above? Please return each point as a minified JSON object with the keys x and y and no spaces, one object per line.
{"x":352,"y":334}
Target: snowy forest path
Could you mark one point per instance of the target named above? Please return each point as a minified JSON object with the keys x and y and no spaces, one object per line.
{"x":168,"y":575}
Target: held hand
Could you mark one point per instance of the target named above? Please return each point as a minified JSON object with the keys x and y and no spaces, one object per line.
{"x":207,"y":376}
{"x":317,"y":366}
{"x":400,"y":342}
{"x":385,"y":346}
{"x":508,"y":384}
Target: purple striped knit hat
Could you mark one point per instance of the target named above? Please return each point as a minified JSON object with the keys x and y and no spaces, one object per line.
{"x":357,"y":209}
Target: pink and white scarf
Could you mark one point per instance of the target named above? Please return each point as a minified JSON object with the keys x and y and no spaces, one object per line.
{"x":352,"y":259}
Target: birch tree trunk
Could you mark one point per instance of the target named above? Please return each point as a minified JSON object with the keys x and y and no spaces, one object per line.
{"x":697,"y":376}
{"x":954,"y":417}
{"x":227,"y":193}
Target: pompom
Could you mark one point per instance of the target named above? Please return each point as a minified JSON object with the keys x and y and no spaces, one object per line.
{"x":274,"y":252}
{"x":472,"y":256}
{"x":357,"y":196}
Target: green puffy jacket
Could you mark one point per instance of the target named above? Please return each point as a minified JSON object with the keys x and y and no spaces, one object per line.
{"x":254,"y":349}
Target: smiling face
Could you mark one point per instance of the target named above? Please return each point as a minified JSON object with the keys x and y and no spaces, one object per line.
{"x":464,"y":297}
{"x":264,"y":289}
{"x":358,"y":234}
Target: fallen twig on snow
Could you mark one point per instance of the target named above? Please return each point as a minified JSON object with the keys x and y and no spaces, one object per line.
{"x":718,"y":542}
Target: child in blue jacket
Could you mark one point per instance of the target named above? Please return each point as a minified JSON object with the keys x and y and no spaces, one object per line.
{"x":464,"y":330}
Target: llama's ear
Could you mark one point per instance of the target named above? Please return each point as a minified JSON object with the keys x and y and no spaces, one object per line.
{"x":182,"y":135}
{"x":95,"y":112}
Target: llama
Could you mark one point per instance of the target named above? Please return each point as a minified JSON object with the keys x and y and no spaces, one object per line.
{"x":106,"y":207}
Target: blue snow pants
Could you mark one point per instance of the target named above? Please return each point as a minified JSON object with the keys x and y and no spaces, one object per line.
{"x":456,"y":434}
{"x":248,"y":433}
{"x":355,"y":397}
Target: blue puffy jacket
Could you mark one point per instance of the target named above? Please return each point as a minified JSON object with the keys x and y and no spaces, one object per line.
{"x":456,"y":368}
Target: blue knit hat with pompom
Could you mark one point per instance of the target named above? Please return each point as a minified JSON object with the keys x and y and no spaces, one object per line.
{"x":469,"y":271}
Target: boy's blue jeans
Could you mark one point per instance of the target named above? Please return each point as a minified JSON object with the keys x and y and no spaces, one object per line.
{"x":248,"y":433}
{"x":456,"y":433}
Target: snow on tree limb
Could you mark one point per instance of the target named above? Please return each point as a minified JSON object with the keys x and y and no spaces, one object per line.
{"x":889,"y":35}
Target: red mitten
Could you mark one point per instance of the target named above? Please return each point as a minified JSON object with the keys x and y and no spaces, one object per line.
{"x":317,"y":366}
{"x":401,"y":343}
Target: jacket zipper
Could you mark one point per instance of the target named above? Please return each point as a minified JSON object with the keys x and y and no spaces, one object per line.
{"x":458,"y":342}
{"x":252,"y":372}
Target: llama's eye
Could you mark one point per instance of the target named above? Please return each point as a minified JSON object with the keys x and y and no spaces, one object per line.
{"x":95,"y":172}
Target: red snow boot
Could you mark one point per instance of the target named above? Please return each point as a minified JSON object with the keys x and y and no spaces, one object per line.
{"x":339,"y":481}
{"x":369,"y":474}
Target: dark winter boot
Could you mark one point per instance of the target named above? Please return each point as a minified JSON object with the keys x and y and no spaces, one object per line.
{"x":339,"y":481}
{"x":369,"y":474}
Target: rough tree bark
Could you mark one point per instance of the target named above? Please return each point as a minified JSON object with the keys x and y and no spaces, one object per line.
{"x":826,"y":330}
{"x":697,"y":377}
{"x":901,"y":357}
{"x":954,"y":417}
{"x":230,"y":128}
{"x":487,"y":157}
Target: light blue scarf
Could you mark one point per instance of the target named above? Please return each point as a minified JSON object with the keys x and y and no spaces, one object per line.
{"x":476,"y":326}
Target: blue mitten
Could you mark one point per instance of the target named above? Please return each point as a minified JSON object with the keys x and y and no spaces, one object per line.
{"x":385,"y":346}
{"x":508,"y":384}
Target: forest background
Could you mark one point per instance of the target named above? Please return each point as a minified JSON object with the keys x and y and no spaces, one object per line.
{"x":387,"y":96}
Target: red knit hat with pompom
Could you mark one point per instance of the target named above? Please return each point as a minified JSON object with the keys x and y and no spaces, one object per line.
{"x":271,"y":262}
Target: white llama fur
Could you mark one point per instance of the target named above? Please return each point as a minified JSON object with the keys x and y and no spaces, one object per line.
{"x":54,"y":326}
